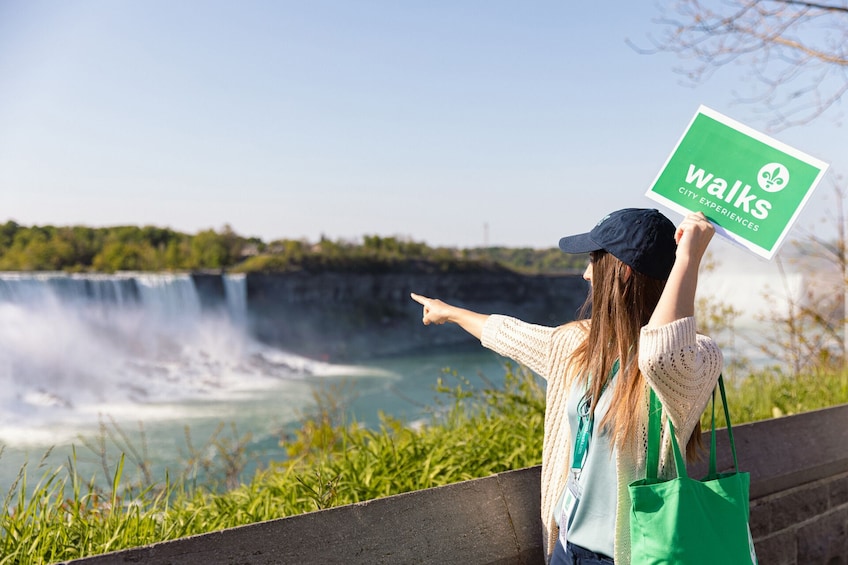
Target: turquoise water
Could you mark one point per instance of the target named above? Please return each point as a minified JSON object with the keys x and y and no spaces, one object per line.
{"x":402,"y":387}
{"x":133,"y":360}
{"x":96,"y":365}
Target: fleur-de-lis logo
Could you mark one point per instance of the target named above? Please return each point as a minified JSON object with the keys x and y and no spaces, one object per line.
{"x":773,"y":177}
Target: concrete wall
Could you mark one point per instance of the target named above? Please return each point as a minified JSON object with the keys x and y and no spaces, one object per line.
{"x":799,"y":513}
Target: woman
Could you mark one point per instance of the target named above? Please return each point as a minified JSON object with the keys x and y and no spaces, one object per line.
{"x":643,"y":274}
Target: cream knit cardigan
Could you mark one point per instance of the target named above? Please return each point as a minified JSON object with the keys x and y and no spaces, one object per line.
{"x":681,"y":365}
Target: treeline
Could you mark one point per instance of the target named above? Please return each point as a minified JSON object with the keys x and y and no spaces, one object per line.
{"x":375,"y":253}
{"x":121,"y":248}
{"x":133,"y":248}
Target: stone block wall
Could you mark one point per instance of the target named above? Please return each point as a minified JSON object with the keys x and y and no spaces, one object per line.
{"x":805,"y":524}
{"x":799,"y":487}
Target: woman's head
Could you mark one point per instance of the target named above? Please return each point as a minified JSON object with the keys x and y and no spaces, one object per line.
{"x":641,"y":238}
{"x":631,"y":254}
{"x":620,"y":297}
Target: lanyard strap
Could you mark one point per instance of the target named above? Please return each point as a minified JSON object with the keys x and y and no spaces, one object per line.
{"x":585,"y":425}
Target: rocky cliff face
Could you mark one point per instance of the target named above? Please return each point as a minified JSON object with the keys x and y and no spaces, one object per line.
{"x":346,"y":316}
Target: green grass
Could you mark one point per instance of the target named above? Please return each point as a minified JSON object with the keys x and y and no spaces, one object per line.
{"x":771,"y":394}
{"x":472,"y":433}
{"x":330,"y":463}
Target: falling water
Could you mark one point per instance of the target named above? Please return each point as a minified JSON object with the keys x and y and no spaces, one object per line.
{"x":75,"y":347}
{"x":78,"y":349}
{"x":147,"y":351}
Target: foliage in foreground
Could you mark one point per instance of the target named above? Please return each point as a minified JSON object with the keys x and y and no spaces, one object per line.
{"x":332,"y":463}
{"x":771,"y":394}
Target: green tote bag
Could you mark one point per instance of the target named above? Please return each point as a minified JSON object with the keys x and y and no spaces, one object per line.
{"x":685,"y":521}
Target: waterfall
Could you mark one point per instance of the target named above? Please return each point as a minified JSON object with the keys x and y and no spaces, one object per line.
{"x":235,"y":291}
{"x":73,"y":346}
{"x":33,"y":288}
{"x":169,"y":297}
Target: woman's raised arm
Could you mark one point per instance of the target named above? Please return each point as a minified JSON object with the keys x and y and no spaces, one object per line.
{"x":678,"y":298}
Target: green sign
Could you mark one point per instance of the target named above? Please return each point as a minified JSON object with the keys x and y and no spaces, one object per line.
{"x":750,"y":186}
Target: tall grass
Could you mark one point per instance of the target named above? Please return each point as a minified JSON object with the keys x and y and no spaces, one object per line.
{"x":770,"y":393}
{"x":471,"y":433}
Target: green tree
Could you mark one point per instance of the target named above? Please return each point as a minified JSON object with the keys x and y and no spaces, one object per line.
{"x":119,"y":256}
{"x":177,"y":254}
{"x":38,"y":249}
{"x":209,"y":250}
{"x":7,"y":235}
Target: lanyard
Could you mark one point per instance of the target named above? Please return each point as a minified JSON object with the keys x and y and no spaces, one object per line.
{"x":585,"y":425}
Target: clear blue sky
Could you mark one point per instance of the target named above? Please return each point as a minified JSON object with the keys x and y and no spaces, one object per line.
{"x":289,"y":119}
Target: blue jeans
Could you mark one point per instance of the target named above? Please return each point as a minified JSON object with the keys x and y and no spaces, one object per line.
{"x":576,"y":555}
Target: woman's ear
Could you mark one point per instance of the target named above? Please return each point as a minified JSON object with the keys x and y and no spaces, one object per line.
{"x":627,"y":272}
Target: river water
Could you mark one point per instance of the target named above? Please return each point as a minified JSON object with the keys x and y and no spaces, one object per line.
{"x":138,"y":354}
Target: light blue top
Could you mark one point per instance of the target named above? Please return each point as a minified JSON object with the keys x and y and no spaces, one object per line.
{"x":593,"y":526}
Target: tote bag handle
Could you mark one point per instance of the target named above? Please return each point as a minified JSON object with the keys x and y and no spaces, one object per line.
{"x":655,"y":425}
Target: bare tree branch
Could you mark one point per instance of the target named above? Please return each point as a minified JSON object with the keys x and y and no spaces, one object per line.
{"x":833,"y":7}
{"x":797,"y":50}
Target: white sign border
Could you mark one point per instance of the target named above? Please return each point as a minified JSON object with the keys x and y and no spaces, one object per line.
{"x":763,"y":138}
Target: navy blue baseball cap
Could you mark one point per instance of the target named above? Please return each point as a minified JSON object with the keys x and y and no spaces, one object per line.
{"x":639,"y":237}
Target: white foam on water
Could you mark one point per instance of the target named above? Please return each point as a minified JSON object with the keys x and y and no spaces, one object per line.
{"x":132,"y":346}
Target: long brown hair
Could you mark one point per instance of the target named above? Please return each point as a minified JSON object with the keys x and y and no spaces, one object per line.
{"x":621,"y":303}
